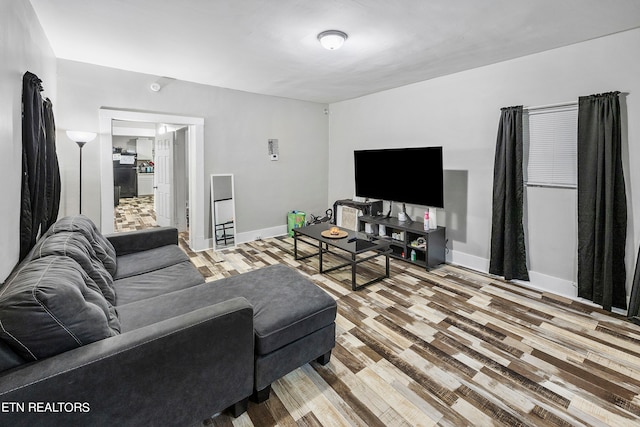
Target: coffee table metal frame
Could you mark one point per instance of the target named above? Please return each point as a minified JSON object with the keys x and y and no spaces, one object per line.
{"x":362,"y":244}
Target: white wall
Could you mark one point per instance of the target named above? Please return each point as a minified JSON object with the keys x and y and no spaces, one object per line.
{"x":237,"y":127}
{"x":461,"y":113}
{"x":23,"y":47}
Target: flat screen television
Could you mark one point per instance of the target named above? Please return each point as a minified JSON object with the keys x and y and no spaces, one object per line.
{"x":405,"y":175}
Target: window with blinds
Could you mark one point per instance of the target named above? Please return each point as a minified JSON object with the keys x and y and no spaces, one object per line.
{"x":550,"y":146}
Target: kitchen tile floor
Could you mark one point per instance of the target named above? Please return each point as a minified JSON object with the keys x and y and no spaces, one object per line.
{"x":134,"y":213}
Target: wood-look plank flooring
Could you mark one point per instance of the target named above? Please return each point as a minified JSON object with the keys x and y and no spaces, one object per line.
{"x":448,"y":347}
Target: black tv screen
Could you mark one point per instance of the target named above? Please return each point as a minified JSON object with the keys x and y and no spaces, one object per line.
{"x":405,"y":175}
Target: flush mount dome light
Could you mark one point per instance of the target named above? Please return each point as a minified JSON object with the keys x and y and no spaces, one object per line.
{"x":332,"y":39}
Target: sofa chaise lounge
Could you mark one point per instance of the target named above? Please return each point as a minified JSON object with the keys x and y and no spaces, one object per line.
{"x":123,"y":330}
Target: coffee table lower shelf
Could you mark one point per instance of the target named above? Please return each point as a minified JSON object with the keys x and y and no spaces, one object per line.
{"x":353,"y":260}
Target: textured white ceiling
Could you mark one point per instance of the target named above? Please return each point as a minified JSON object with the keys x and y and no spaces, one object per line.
{"x":270,"y":46}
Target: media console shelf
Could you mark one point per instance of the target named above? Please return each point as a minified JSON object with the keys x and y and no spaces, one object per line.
{"x":430,"y":255}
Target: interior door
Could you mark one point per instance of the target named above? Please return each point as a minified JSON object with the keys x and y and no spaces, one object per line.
{"x":163,"y":177}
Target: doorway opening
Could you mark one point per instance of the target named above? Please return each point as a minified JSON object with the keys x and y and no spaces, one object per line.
{"x":191,"y":177}
{"x":150,"y":169}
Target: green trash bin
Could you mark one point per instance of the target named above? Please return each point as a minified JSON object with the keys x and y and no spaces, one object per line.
{"x":295,"y":219}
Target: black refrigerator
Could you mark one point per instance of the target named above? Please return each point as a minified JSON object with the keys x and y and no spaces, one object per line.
{"x":125,"y":175}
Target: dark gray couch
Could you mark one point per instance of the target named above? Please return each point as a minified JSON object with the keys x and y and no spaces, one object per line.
{"x":124,"y":331}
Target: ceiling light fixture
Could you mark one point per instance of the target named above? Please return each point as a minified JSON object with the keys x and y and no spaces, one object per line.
{"x":332,"y":39}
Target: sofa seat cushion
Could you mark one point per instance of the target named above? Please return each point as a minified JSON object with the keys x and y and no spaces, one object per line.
{"x":76,"y":246}
{"x":149,"y":260}
{"x":157,"y":282}
{"x":50,"y":306}
{"x":82,"y":224}
{"x":286,"y":305}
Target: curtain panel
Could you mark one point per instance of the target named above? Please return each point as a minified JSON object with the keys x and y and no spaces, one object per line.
{"x":52,"y":170}
{"x":508,"y":251}
{"x":602,"y":203}
{"x":634,"y":302}
{"x":40,"y":192}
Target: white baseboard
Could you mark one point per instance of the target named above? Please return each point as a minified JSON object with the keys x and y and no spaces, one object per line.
{"x":565,"y":288}
{"x":249,"y":236}
{"x":264,"y":233}
{"x":470,"y":261}
{"x":538,"y":281}
{"x":546,"y":283}
{"x":199,"y":243}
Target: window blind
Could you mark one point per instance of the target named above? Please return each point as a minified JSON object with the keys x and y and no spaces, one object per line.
{"x":550,"y":143}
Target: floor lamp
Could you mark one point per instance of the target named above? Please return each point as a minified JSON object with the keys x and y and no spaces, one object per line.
{"x":81,"y":138}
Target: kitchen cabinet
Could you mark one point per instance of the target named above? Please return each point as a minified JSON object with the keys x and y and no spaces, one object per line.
{"x":145,"y":184}
{"x":144,"y":148}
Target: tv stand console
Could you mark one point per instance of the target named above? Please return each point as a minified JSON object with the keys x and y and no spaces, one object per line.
{"x":406,"y":233}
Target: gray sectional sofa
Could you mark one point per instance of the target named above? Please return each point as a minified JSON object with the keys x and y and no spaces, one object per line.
{"x":124,"y":331}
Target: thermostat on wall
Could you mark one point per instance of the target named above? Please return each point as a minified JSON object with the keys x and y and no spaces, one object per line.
{"x":273,"y":149}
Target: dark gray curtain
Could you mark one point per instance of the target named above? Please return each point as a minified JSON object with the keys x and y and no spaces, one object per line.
{"x":508,"y":252}
{"x":602,"y":203}
{"x":40,"y":192}
{"x":634,"y":302}
{"x":52,"y":170}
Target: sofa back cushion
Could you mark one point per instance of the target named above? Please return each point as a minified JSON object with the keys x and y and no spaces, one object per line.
{"x":50,"y":305}
{"x":76,"y":246}
{"x":8,"y":358}
{"x":82,"y":224}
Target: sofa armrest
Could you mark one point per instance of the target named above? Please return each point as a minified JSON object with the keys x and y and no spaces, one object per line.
{"x":141,"y":240}
{"x":176,"y":372}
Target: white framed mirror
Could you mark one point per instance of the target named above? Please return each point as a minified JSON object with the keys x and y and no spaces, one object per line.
{"x":223,"y":211}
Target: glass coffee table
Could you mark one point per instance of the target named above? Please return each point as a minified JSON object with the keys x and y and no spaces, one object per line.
{"x":359,"y":247}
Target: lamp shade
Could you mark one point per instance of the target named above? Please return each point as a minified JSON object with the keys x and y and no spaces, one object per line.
{"x":332,"y":39}
{"x":79,"y":136}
